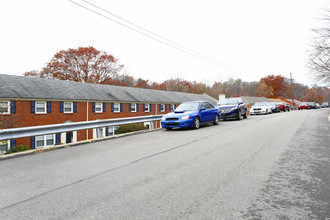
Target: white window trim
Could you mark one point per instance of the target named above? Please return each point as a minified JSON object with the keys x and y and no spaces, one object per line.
{"x":146,"y":107}
{"x":101,"y":111}
{"x":172,"y":107}
{"x":116,"y":103}
{"x":8,"y":108}
{"x":45,"y":141}
{"x":135,"y":107}
{"x":71,"y":103}
{"x":162,"y":108}
{"x":45,"y":103}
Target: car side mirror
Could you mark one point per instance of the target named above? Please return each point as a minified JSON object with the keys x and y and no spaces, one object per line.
{"x":202,"y":109}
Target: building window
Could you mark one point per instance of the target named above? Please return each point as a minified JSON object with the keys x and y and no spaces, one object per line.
{"x":116,"y":107}
{"x":45,"y":140}
{"x":4,"y":146}
{"x":172,"y":107}
{"x":41,"y":107}
{"x":133,"y":107}
{"x":68,"y":107}
{"x":98,"y":107}
{"x":4,"y":107}
{"x":147,"y":107}
{"x":162,"y":107}
{"x":112,"y":130}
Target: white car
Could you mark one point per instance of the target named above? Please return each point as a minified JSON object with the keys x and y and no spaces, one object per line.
{"x":261,"y":108}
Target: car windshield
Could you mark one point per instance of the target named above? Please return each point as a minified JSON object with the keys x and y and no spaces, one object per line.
{"x":227,"y":102}
{"x":188,"y":106}
{"x":260,"y":104}
{"x":304,"y":103}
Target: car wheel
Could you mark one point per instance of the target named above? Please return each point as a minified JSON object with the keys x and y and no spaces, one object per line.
{"x":245,"y":115}
{"x":266,"y":112}
{"x":196,"y":123}
{"x":239,"y":115}
{"x":216,"y":120}
{"x":168,"y":129}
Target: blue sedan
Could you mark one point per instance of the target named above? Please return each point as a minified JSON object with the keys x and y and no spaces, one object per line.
{"x":191,"y":114}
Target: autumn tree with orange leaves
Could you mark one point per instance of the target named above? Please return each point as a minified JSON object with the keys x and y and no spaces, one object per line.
{"x":272,"y":86}
{"x":85,"y":64}
{"x":315,"y":94}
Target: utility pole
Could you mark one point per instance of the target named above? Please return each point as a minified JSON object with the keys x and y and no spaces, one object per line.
{"x":292,"y":95}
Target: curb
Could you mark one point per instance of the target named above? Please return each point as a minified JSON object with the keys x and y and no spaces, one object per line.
{"x":60,"y":146}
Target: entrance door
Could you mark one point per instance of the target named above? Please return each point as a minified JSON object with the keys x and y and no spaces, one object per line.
{"x":69,"y":137}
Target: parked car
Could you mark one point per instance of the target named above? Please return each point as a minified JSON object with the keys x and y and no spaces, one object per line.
{"x":191,"y":114}
{"x":318,"y":106}
{"x":232,"y":108}
{"x":288,"y":107}
{"x":303,"y":105}
{"x":261,"y":108}
{"x":311,"y":105}
{"x":325,"y":105}
{"x":284,"y":107}
{"x":275,"y":107}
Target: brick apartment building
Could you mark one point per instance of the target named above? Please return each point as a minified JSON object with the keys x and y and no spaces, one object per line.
{"x":26,"y":101}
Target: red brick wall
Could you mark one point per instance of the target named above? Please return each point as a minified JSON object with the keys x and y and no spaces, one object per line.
{"x":24,"y":118}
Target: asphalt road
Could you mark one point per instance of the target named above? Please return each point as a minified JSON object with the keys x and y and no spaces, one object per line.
{"x":264,"y":167}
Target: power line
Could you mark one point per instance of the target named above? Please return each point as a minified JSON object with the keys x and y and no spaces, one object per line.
{"x":153,"y":33}
{"x":163,"y":41}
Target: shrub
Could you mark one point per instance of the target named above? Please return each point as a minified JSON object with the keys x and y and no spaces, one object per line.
{"x":18,"y":148}
{"x":130,"y":128}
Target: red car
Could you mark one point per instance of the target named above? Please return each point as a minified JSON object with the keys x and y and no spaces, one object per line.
{"x":303,"y":105}
{"x":283,"y":106}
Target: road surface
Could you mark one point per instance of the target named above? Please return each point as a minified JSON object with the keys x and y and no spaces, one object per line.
{"x":264,"y":167}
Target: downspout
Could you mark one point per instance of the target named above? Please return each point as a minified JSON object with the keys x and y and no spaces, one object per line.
{"x":87,"y":120}
{"x":155,"y":123}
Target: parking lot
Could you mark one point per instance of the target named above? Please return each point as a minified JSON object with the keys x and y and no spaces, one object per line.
{"x":266,"y":166}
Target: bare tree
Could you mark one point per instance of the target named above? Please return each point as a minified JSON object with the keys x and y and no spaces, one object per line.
{"x":319,"y":56}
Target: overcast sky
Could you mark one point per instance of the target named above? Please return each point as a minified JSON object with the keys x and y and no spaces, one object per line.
{"x":247,"y":39}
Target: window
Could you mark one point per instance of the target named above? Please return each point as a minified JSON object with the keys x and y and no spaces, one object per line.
{"x":147,"y":107}
{"x":98,"y":107}
{"x":172,"y":107}
{"x":112,"y":130}
{"x":133,"y":107}
{"x":162,"y":107}
{"x":45,"y":140}
{"x":68,"y":107}
{"x":116,"y":107}
{"x":4,"y":107}
{"x":41,"y":107}
{"x":4,"y":146}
